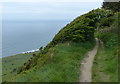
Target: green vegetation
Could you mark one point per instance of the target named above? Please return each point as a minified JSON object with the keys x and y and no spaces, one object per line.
{"x":105,"y":66}
{"x":80,"y":30}
{"x":11,"y":64}
{"x":61,"y":64}
{"x":114,"y":6}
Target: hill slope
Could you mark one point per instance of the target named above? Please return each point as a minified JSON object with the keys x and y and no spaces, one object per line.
{"x":60,"y":60}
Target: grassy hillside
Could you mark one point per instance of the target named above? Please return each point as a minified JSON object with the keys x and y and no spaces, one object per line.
{"x":61,"y":64}
{"x":60,"y":60}
{"x":105,"y":66}
{"x":11,"y":64}
{"x":79,"y":30}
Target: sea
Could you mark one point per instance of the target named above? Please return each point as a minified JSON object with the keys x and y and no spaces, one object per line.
{"x":28,"y":36}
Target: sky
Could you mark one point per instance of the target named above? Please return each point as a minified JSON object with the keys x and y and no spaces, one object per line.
{"x":43,"y":10}
{"x":58,"y":0}
{"x":51,"y":0}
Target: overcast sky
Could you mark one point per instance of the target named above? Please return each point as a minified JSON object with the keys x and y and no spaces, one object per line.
{"x":45,"y":9}
{"x":51,"y":0}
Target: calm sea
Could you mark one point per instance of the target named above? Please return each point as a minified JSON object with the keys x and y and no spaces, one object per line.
{"x":27,"y":26}
{"x":22,"y":36}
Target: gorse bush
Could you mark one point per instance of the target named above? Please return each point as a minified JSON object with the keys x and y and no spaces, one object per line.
{"x":82,"y":29}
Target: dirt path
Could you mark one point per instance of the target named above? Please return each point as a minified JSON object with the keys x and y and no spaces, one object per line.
{"x":86,"y":65}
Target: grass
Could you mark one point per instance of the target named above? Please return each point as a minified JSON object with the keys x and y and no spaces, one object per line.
{"x":62,"y":64}
{"x":11,"y":64}
{"x":105,"y":67}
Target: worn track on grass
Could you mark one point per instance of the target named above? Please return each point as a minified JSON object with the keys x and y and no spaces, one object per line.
{"x":86,"y":65}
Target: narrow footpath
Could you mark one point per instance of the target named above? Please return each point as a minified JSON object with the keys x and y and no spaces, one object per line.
{"x":86,"y":65}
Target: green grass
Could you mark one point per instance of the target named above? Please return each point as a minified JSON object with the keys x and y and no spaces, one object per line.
{"x":12,"y":63}
{"x":62,"y":64}
{"x":105,"y":68}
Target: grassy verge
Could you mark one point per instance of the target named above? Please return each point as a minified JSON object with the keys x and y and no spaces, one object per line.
{"x":105,"y":68}
{"x":11,"y":64}
{"x":62,"y":64}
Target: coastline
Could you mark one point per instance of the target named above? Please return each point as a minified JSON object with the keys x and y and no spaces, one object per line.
{"x":31,"y":51}
{"x":27,"y":52}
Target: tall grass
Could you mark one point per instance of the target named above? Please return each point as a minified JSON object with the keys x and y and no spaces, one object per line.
{"x":11,"y":64}
{"x":63,"y":64}
{"x":105,"y":68}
